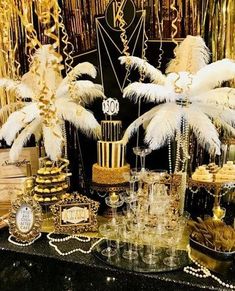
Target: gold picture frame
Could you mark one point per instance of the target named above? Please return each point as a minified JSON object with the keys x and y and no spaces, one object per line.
{"x":25,"y":219}
{"x":76,"y":214}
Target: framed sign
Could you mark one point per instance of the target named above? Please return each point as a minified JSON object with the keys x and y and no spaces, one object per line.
{"x":10,"y":169}
{"x":75,"y":215}
{"x":25,"y":219}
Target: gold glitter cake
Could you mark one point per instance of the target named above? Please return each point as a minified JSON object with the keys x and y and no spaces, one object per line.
{"x":111,"y":167}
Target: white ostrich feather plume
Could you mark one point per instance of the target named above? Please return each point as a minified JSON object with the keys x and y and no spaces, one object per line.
{"x":29,"y":120}
{"x":154,"y":74}
{"x":191,"y":55}
{"x":192,"y":81}
{"x":53,"y":138}
{"x":86,"y":91}
{"x":23,"y":137}
{"x":132,"y":128}
{"x":13,"y":125}
{"x":204,"y":130}
{"x":163,"y":125}
{"x":213,"y":75}
{"x":219,"y":96}
{"x":18,"y":120}
{"x":19,"y":87}
{"x":78,"y":70}
{"x":150,"y":92}
{"x":79,"y":117}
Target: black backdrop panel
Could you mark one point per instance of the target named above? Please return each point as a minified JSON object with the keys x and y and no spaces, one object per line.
{"x":128,"y":113}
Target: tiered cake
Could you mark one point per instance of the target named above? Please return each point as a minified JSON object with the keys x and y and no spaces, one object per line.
{"x":110,"y":168}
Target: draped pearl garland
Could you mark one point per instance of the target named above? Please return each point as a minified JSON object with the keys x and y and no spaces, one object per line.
{"x":203,"y":272}
{"x":80,"y":238}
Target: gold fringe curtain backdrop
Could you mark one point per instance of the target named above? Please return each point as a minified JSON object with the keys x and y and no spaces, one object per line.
{"x":10,"y":55}
{"x":213,"y":20}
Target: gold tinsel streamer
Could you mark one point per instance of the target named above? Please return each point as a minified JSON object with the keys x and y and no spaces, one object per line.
{"x":9,"y":65}
{"x":123,"y":37}
{"x":173,"y":25}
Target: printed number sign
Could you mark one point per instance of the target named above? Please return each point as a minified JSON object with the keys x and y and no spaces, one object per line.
{"x":110,"y":106}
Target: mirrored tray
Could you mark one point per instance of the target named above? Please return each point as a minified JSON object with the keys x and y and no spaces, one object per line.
{"x":137,"y":265}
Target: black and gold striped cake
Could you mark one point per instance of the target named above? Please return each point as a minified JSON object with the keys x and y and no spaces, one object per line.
{"x":111,"y":165}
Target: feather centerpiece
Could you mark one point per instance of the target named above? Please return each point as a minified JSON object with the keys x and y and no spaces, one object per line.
{"x":51,"y":103}
{"x":189,"y":92}
{"x":190,"y":56}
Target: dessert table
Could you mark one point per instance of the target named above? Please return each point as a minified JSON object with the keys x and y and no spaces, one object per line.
{"x":39,"y":267}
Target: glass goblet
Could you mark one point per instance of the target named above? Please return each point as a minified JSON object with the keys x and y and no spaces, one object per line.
{"x":108,"y":231}
{"x":114,"y":201}
{"x":128,"y":235}
{"x":142,"y":152}
{"x":174,"y":237}
{"x":150,"y":254}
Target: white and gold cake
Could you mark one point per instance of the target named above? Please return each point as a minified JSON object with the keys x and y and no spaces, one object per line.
{"x":111,"y":166}
{"x":226,"y":173}
{"x":202,"y":174}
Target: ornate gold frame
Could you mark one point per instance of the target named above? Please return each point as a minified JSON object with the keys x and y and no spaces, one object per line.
{"x":37,"y":220}
{"x":73,"y":228}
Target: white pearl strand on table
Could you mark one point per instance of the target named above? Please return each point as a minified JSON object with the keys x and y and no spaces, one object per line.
{"x":205,"y":273}
{"x":26,"y":244}
{"x":80,"y":238}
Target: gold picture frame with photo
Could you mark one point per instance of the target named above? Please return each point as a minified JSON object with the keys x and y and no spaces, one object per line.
{"x":25,"y":219}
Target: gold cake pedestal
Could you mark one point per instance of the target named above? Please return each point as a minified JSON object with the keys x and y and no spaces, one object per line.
{"x":218,"y":191}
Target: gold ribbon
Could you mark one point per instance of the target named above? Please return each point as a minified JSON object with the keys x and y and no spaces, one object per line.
{"x":175,"y":29}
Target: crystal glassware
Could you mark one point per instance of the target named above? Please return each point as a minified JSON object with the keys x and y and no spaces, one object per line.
{"x":109,"y":232}
{"x":129,"y":236}
{"x":150,"y":252}
{"x":142,"y":152}
{"x":114,"y":201}
{"x":174,"y":237}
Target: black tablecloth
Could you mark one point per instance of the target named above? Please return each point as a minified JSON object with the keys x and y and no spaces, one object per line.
{"x":39,"y":267}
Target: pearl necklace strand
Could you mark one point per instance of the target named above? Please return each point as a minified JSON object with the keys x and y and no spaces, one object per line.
{"x":227,"y":189}
{"x":26,"y":244}
{"x":80,"y":238}
{"x":203,"y":272}
{"x":169,"y":154}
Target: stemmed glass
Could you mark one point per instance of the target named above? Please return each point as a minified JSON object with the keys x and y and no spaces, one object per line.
{"x":157,"y":194}
{"x":114,"y":201}
{"x":149,"y":238}
{"x":142,"y":152}
{"x":174,"y":237}
{"x":109,"y":232}
{"x":130,"y":199}
{"x":128,"y":235}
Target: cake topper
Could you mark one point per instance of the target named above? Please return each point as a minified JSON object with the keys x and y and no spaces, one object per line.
{"x":110,"y":106}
